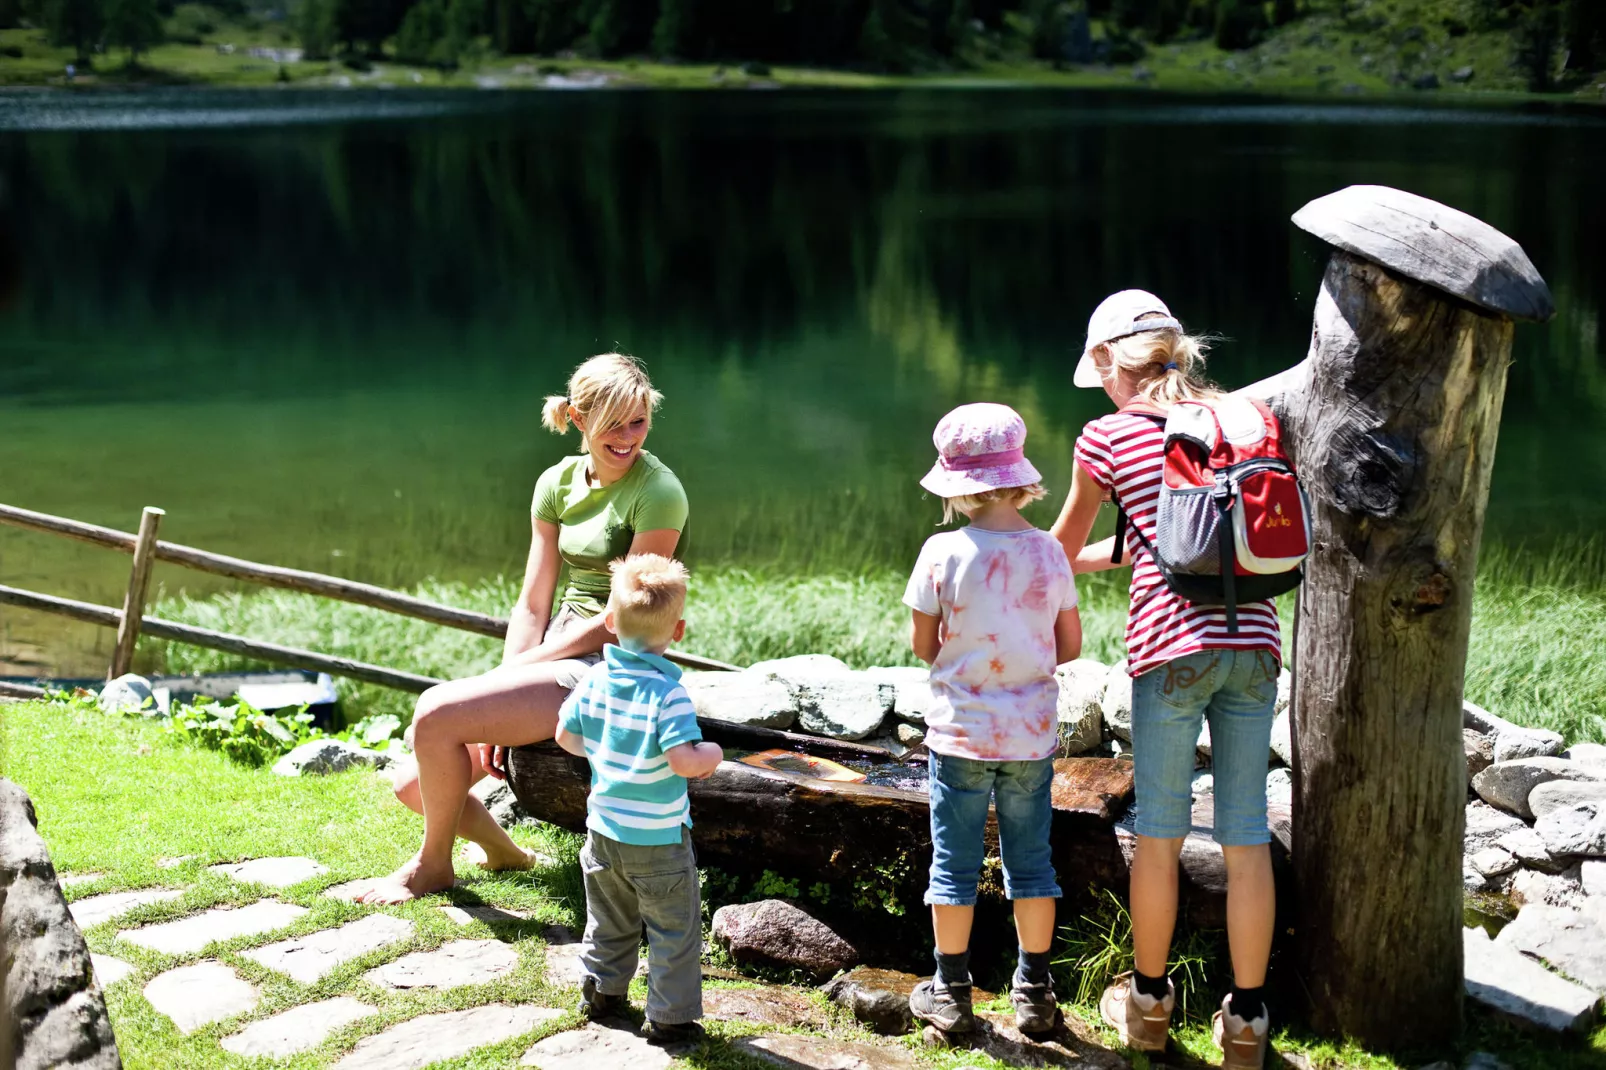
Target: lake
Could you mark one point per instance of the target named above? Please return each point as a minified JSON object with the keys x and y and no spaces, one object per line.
{"x":317,"y":328}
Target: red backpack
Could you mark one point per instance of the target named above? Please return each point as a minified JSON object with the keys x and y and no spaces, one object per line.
{"x":1233,"y":522}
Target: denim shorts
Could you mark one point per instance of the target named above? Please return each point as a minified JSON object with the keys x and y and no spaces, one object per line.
{"x":1236,"y":690}
{"x":961,"y":789}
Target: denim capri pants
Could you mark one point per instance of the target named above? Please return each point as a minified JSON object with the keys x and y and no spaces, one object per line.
{"x":1236,"y":691}
{"x":961,"y":790}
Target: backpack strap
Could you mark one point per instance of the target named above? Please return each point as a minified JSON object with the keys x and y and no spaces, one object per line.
{"x":1228,"y":554}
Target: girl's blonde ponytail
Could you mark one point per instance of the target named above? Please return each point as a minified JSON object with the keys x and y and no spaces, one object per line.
{"x":1164,"y":365}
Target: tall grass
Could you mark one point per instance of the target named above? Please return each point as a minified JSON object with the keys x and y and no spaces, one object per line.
{"x":1537,"y":654}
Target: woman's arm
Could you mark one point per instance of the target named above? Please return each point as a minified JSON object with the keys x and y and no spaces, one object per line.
{"x":526,"y":625}
{"x":1075,"y":523}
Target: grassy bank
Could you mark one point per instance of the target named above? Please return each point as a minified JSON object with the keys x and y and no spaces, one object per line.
{"x":1538,"y":626}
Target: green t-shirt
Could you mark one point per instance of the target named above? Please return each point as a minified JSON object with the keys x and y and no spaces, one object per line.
{"x":597,"y":524}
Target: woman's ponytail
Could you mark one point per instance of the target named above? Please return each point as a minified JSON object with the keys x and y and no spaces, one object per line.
{"x":1166,"y":365}
{"x":555,"y":414}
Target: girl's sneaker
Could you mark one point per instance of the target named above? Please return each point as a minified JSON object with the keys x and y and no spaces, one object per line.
{"x":1036,"y":1009}
{"x":947,"y":1007}
{"x":1143,"y":1022}
{"x":1242,"y":1041}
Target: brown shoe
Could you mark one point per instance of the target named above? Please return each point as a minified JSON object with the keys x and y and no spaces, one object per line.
{"x":1143,"y":1022}
{"x":1242,"y":1042}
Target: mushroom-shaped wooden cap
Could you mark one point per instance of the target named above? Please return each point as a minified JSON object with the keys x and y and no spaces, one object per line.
{"x":1433,"y":244}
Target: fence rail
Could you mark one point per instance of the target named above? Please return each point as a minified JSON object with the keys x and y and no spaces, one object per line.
{"x":146,"y":549}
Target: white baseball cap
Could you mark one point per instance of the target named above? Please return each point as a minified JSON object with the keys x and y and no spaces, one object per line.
{"x":1117,"y":316}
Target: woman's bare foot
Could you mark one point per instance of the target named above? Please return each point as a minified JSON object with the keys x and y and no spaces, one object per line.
{"x":412,"y":880}
{"x":521,"y":860}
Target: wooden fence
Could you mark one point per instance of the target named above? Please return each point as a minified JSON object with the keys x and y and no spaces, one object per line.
{"x":131,"y":621}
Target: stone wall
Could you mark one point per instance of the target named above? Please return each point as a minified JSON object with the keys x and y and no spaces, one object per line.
{"x":52,"y":1014}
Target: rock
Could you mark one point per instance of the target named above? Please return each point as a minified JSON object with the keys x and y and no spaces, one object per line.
{"x":750,"y":698}
{"x":594,"y":1047}
{"x":777,"y":933}
{"x":51,"y":1011}
{"x":189,"y":935}
{"x":796,"y":1052}
{"x":273,"y":872}
{"x":1556,"y":889}
{"x":1512,"y":741}
{"x":1507,"y":784}
{"x":1508,"y":981}
{"x":844,"y":705}
{"x":1575,"y":830}
{"x":1117,"y":702}
{"x":452,"y":965}
{"x":1462,"y":75}
{"x":323,"y":756}
{"x":1590,"y":754}
{"x":1572,"y":943}
{"x":1530,"y":851}
{"x":1285,"y":692}
{"x":72,"y":880}
{"x":762,"y":1006}
{"x":350,"y":890}
{"x":1485,"y":826}
{"x":1479,"y":749}
{"x":1427,"y":80}
{"x":96,"y":909}
{"x":912,"y":686}
{"x":109,"y":970}
{"x":500,"y":801}
{"x":1280,"y":788}
{"x":296,"y":1030}
{"x":1201,"y":747}
{"x":198,"y":995}
{"x":432,"y":1038}
{"x":1080,"y":706}
{"x":996,"y":1036}
{"x":909,"y":735}
{"x":309,"y":958}
{"x":1562,"y":794}
{"x":563,"y":958}
{"x":1493,"y":862}
{"x":126,"y":694}
{"x":1204,"y":783}
{"x":1472,"y":880}
{"x":1282,"y":738}
{"x":880,"y":998}
{"x":1482,"y":1060}
{"x":1592,"y":877}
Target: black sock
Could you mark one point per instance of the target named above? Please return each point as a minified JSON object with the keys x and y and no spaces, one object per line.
{"x":1247,"y":1003}
{"x":1153,"y":987}
{"x":954,"y":969}
{"x":1033,"y":968}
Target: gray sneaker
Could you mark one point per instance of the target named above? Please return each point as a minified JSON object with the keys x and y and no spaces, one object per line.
{"x":945,"y":1006}
{"x":596,"y":1005}
{"x":1036,"y":1009}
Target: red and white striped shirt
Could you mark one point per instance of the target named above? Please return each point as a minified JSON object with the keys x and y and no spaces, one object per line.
{"x":1125,"y":451}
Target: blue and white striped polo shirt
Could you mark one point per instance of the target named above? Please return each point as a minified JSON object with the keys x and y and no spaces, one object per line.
{"x":630,"y":709}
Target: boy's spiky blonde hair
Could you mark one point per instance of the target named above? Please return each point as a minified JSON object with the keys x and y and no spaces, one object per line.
{"x":648,"y":596}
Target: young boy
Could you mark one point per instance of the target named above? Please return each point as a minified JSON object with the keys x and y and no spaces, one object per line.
{"x":633,"y":721}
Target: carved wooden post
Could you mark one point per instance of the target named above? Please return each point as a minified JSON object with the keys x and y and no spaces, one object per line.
{"x":139,"y":581}
{"x":1394,"y":425}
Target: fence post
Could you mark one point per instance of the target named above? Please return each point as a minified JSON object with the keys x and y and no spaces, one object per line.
{"x":139,"y":581}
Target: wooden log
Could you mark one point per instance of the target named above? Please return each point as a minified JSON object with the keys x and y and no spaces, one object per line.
{"x":139,"y":581}
{"x":292,"y":579}
{"x":10,"y":690}
{"x":1394,"y":435}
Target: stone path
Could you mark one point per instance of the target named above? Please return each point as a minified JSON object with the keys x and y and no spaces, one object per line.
{"x":109,"y":970}
{"x":68,"y":880}
{"x":468,"y":915}
{"x":308,"y":958}
{"x":452,"y":965}
{"x":273,"y":872}
{"x":296,"y":1030}
{"x":88,"y":913}
{"x":594,"y":1047}
{"x":430,"y":1038}
{"x":199,"y":995}
{"x":189,"y":935}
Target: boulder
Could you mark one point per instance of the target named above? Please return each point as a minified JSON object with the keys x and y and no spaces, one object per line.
{"x":126,"y":694}
{"x":1485,"y":826}
{"x":1492,"y":862}
{"x":1280,"y":788}
{"x":909,"y":735}
{"x":1117,"y":702}
{"x":1507,"y":784}
{"x":1592,"y":877}
{"x":1562,"y":794}
{"x":1425,"y":80}
{"x":1564,"y":889}
{"x":1512,"y":741}
{"x":880,"y":998}
{"x":750,"y":698}
{"x":1525,"y":845}
{"x":1590,"y":754}
{"x":1571,"y":942}
{"x":1204,"y":783}
{"x":1575,"y":830}
{"x":501,"y":802}
{"x":1507,"y":981}
{"x":1285,"y":691}
{"x":912,"y":698}
{"x":1462,"y":75}
{"x":1080,"y":706}
{"x":777,"y":933}
{"x":1282,"y":738}
{"x":323,"y":756}
{"x":1479,"y":749}
{"x":830,"y":698}
{"x":1482,"y":1060}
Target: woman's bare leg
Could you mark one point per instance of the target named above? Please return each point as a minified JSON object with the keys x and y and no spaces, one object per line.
{"x":476,"y":824}
{"x":508,"y":707}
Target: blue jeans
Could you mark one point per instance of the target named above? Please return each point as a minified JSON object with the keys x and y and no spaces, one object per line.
{"x":961,"y":789}
{"x":1237,"y":691}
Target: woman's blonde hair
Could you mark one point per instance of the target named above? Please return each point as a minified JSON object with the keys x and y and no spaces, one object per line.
{"x":1020,"y":497}
{"x":1165,"y":364}
{"x":607,"y":390}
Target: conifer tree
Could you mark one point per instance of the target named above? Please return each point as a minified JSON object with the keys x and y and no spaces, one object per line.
{"x":74,"y":23}
{"x":133,"y":24}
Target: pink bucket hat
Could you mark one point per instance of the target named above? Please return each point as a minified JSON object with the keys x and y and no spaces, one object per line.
{"x":980,"y":447}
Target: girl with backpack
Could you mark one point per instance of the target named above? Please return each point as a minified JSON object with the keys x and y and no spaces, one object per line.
{"x":1191,"y":661}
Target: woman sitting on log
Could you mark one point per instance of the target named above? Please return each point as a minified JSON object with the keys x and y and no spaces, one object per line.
{"x":612,"y":499}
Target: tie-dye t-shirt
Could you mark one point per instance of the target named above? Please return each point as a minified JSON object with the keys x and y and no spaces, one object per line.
{"x":998,"y":594}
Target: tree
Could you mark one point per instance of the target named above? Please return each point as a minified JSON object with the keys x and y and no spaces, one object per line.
{"x":1239,"y":23}
{"x":554,"y":24}
{"x":1586,"y":34}
{"x":672,"y":33}
{"x":1284,"y":11}
{"x":134,"y":25}
{"x":75,"y":23}
{"x":315,"y":25}
{"x":1534,"y":43}
{"x":423,"y":28}
{"x":891,"y":37}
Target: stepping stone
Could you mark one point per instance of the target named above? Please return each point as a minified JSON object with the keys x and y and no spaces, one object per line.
{"x":309,"y":958}
{"x":430,"y":1038}
{"x":350,"y":890}
{"x":762,"y":1006}
{"x":189,"y":935}
{"x":452,"y":965}
{"x":274,"y":872}
{"x":467,"y":915}
{"x":296,"y":1030}
{"x":69,"y":880}
{"x":175,"y":862}
{"x":1510,"y":982}
{"x":597,"y":1046}
{"x":194,"y":996}
{"x":794,"y":1052}
{"x":108,"y":970}
{"x":101,"y":908}
{"x":563,"y":963}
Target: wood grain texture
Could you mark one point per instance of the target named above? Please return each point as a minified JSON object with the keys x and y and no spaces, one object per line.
{"x":1433,"y":244}
{"x":139,"y":582}
{"x":1396,"y":440}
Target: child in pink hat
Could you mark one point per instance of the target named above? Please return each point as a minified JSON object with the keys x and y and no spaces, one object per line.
{"x":994,"y":608}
